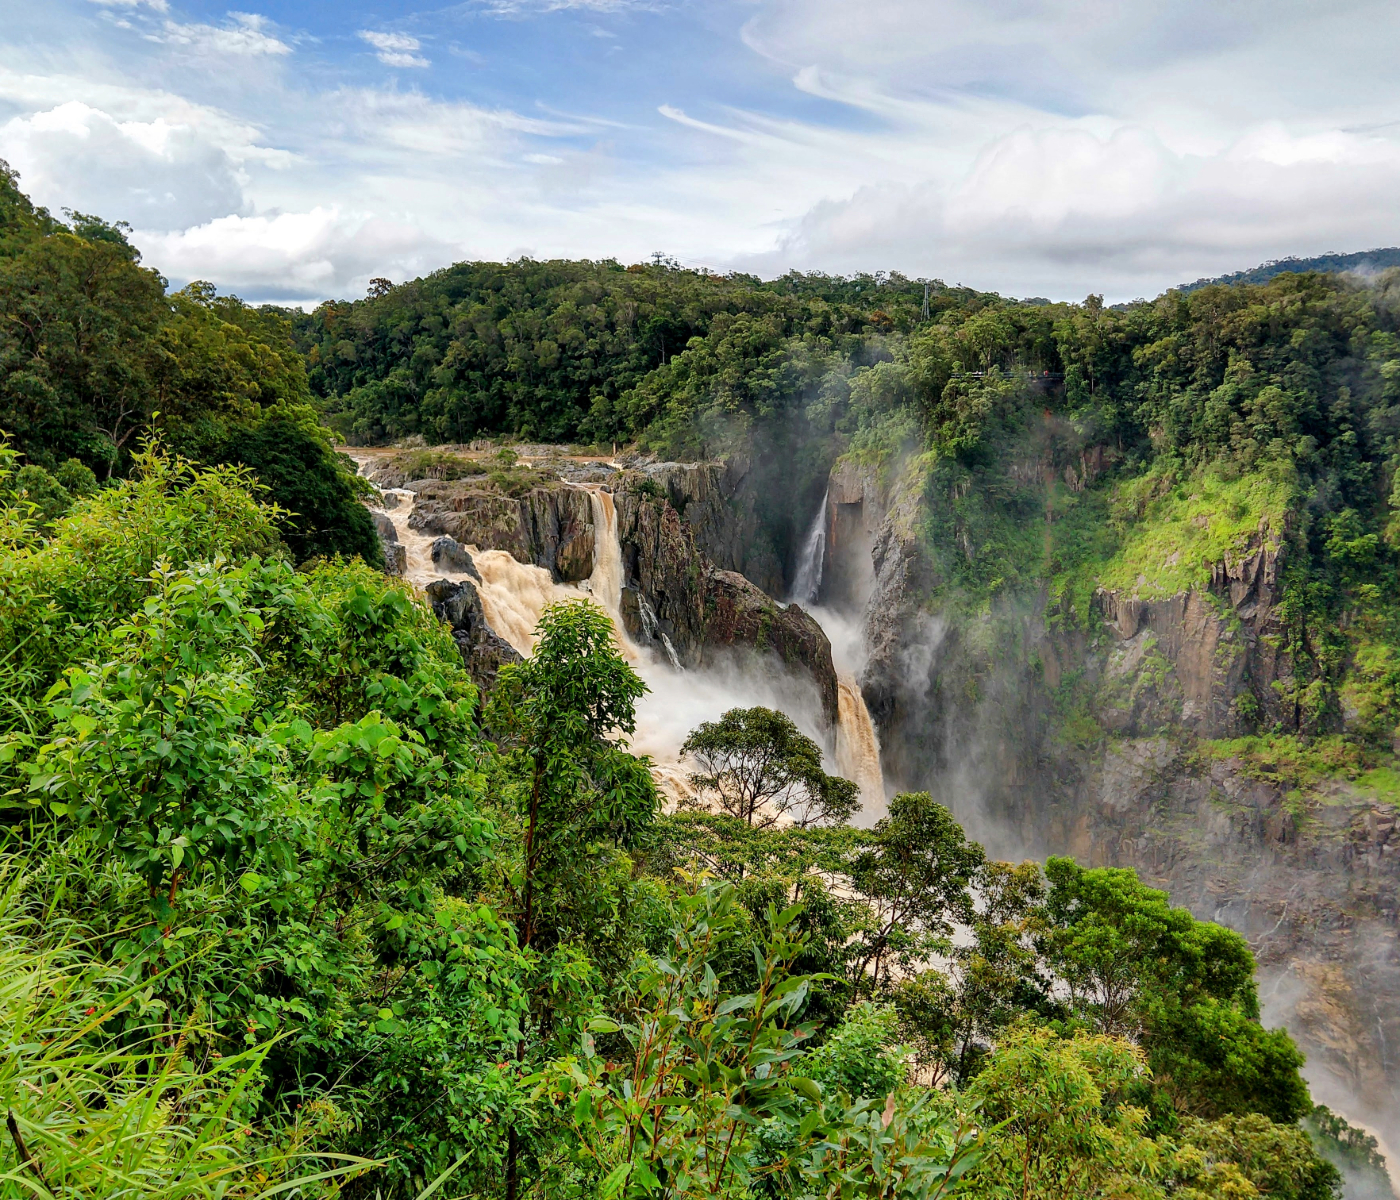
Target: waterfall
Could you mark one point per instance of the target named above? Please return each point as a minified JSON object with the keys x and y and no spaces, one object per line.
{"x":813,"y":561}
{"x":514,"y":595}
{"x":857,"y":742}
{"x":858,"y":747}
{"x":651,"y":626}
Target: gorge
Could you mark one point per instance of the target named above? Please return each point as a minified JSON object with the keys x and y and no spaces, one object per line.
{"x":957,"y":708}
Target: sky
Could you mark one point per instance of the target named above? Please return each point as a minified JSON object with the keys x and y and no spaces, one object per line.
{"x":291,"y":150}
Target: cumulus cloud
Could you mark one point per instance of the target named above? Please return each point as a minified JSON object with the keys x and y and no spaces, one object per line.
{"x":163,"y":173}
{"x":1051,"y":149}
{"x":296,"y":257}
{"x":395,"y":49}
{"x":1063,"y":211}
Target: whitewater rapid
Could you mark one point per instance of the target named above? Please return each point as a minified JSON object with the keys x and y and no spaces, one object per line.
{"x":514,"y":595}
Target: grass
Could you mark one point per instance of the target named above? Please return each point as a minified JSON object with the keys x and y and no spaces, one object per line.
{"x":93,"y":1112}
{"x":1174,"y":529}
{"x":1291,"y":762}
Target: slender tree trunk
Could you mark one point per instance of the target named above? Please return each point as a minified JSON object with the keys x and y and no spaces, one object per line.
{"x":524,"y":933}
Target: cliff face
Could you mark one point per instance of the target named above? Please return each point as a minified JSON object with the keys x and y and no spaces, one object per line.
{"x":715,"y":502}
{"x":1105,"y":741}
{"x":675,"y":596}
{"x":484,"y":651}
{"x":550,"y":526}
{"x":1222,"y":643}
{"x":705,"y":611}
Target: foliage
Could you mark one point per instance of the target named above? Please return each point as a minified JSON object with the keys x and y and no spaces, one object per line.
{"x":1066,"y":1132}
{"x":90,"y":1113}
{"x":760,"y":767}
{"x":96,"y":357}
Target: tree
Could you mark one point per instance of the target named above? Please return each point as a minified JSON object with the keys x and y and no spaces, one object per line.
{"x":293,"y":460}
{"x":1135,"y":966}
{"x":758,"y":766}
{"x":957,"y":1014}
{"x":1065,"y":1134}
{"x":915,"y":879}
{"x":560,"y":716}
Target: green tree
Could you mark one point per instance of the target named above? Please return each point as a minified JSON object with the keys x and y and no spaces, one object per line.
{"x":1063,"y":1130}
{"x":578,"y":793}
{"x":915,"y":879}
{"x":1135,"y":966}
{"x":758,"y":766}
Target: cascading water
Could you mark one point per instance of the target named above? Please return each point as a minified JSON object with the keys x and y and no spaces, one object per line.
{"x":858,"y":747}
{"x":808,"y":583}
{"x":514,"y":595}
{"x":857,"y":743}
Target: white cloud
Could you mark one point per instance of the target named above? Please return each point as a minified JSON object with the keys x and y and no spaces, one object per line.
{"x":245,"y":34}
{"x":1063,"y":212}
{"x":1056,"y":148}
{"x":165,"y":172}
{"x":303,"y":256}
{"x":395,"y":49}
{"x":158,"y":5}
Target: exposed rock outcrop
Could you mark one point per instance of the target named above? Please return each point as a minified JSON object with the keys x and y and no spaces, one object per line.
{"x":740,"y":616}
{"x":395,"y":553}
{"x":664,"y":571}
{"x":1221,"y":643}
{"x":484,"y":651}
{"x":714,"y":500}
{"x":448,"y":554}
{"x":550,"y":526}
{"x":704,"y":610}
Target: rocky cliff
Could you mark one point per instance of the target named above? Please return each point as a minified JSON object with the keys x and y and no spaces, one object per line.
{"x":1109,"y":740}
{"x":675,"y":595}
{"x":550,"y":526}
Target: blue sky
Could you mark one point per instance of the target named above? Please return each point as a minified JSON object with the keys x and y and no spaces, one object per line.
{"x":293,"y":149}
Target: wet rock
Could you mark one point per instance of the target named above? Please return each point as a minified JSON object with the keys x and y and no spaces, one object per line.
{"x":448,"y":554}
{"x":664,"y":568}
{"x":395,"y":558}
{"x":675,"y":596}
{"x":550,"y":526}
{"x":395,"y":554}
{"x":739,"y":615}
{"x":385,"y":527}
{"x":483,"y":650}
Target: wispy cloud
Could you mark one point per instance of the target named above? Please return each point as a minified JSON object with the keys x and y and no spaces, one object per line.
{"x":517,"y":8}
{"x":158,"y":5}
{"x":395,"y":49}
{"x":244,"y":34}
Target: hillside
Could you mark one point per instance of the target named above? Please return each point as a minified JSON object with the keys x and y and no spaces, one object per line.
{"x":1363,"y":262}
{"x":539,"y":865}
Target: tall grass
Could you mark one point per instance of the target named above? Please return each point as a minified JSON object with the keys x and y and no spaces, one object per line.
{"x":93,"y":1112}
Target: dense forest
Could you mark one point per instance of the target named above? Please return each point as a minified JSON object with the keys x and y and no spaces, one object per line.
{"x":290,"y":907}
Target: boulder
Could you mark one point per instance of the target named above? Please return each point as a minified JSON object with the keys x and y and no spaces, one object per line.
{"x":395,"y":558}
{"x":550,"y":526}
{"x":450,"y":555}
{"x":484,"y":652}
{"x":738,"y":615}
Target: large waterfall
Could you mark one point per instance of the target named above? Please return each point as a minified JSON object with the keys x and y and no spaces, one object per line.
{"x":514,"y":595}
{"x":857,"y":743}
{"x":808,"y":582}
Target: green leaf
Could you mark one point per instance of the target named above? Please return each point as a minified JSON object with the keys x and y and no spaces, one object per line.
{"x":250,"y":881}
{"x":603,"y":1025}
